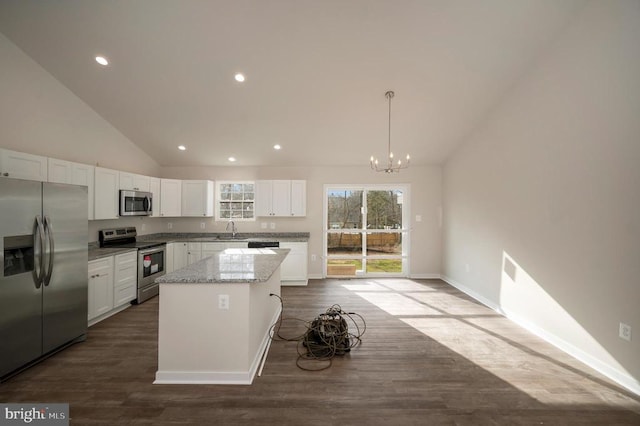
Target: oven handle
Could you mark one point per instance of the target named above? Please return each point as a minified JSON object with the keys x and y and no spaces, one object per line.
{"x":152,"y":250}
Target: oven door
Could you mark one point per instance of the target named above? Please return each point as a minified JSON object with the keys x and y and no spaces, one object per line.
{"x":135,"y":203}
{"x":151,"y":265}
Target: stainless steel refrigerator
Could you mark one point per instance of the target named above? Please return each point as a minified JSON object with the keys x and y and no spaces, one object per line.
{"x":43,"y":285}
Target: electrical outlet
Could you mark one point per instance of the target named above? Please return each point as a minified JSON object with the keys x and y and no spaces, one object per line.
{"x":170,"y":225}
{"x":263,"y":225}
{"x":313,"y":257}
{"x":418,"y":218}
{"x":625,"y":331}
{"x":223,"y":301}
{"x":142,"y":228}
{"x":201,"y":225}
{"x":272,"y":225}
{"x":467,"y":267}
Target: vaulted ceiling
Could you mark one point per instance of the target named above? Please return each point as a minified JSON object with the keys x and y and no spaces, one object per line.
{"x":316,"y":71}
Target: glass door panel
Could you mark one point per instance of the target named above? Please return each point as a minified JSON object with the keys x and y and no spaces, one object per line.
{"x":384,"y":243}
{"x":384,"y":209}
{"x":344,"y":209}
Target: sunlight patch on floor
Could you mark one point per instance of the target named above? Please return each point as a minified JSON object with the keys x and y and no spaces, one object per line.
{"x":397,"y":304}
{"x":450,"y":304}
{"x":368,"y":286}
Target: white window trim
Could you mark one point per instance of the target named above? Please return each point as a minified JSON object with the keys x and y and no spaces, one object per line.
{"x":219,"y":200}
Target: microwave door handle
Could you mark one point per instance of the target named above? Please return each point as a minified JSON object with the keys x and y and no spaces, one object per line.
{"x":148,"y":201}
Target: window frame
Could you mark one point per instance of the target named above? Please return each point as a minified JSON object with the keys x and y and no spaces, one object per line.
{"x":219,"y":200}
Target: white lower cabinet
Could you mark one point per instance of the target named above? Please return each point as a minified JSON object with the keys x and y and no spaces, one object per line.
{"x":194,"y":252}
{"x":180,"y":255}
{"x":125,"y":278}
{"x":100,"y":287}
{"x":112,"y":285}
{"x":293,"y":270}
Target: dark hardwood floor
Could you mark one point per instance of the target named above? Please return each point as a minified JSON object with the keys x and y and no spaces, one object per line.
{"x":430,"y":356}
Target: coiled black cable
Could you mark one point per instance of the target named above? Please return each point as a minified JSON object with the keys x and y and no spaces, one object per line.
{"x":326,"y":337}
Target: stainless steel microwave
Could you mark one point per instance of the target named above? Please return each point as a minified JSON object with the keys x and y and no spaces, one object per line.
{"x":135,"y":203}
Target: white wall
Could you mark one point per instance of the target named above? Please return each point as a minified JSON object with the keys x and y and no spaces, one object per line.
{"x":39,"y":115}
{"x":550,"y":186}
{"x":426,"y":200}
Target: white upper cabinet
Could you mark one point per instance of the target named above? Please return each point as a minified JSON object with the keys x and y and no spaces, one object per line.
{"x":197,"y":198}
{"x":170,"y":197}
{"x":61,"y":171}
{"x":134,"y":182}
{"x":19,"y":165}
{"x":298,"y":198}
{"x":284,"y":198}
{"x":106,"y":193}
{"x":154,"y":188}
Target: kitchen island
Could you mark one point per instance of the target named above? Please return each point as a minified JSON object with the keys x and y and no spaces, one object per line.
{"x":215,"y":316}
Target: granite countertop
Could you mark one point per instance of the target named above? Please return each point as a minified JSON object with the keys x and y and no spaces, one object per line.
{"x":235,"y":265}
{"x":226,"y":237}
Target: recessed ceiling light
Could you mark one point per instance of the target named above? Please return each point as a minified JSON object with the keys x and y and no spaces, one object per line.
{"x":182,"y":147}
{"x":277,"y":147}
{"x":102,"y":60}
{"x":232,"y":159}
{"x":239,"y":77}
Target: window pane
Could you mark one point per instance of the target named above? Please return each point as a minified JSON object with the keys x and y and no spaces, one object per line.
{"x":344,"y":209}
{"x":384,"y":209}
{"x":384,"y":265}
{"x":343,"y":267}
{"x":344,"y":243}
{"x":384,"y":243}
{"x":236,"y":200}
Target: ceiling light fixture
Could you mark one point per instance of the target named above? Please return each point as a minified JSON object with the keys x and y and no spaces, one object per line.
{"x":277,"y":147}
{"x":102,"y":60}
{"x":182,"y":147}
{"x":232,"y":159}
{"x":239,"y":77}
{"x":389,"y":168}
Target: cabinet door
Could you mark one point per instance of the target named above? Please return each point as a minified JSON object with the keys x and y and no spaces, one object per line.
{"x":154,"y":188}
{"x":294,"y":266}
{"x":83,"y":174}
{"x":19,"y":165}
{"x":106,"y":193}
{"x":263,"y":198}
{"x":180,"y":256}
{"x":100,"y":287}
{"x":59,"y":171}
{"x":197,"y":198}
{"x":298,"y":198}
{"x":194,"y":253}
{"x":125,"y":278}
{"x":281,"y":198}
{"x":134,"y":182}
{"x":170,"y":197}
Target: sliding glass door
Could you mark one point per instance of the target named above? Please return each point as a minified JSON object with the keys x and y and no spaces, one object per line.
{"x":365,"y":231}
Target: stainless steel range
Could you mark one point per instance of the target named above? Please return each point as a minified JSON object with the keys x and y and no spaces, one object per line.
{"x":151,"y":258}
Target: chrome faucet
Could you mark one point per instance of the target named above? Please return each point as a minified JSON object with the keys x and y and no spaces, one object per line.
{"x":234,"y":230}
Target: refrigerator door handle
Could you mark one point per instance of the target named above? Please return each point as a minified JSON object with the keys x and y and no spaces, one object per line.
{"x":38,"y":246}
{"x":48,"y":231}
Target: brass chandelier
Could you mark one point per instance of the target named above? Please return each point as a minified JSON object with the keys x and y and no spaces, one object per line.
{"x":390,"y":167}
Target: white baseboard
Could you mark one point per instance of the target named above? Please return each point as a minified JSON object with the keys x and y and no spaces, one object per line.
{"x":620,"y":377}
{"x":424,"y":276}
{"x":315,"y":276}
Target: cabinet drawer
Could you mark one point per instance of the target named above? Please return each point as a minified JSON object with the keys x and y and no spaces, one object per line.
{"x":124,"y":294}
